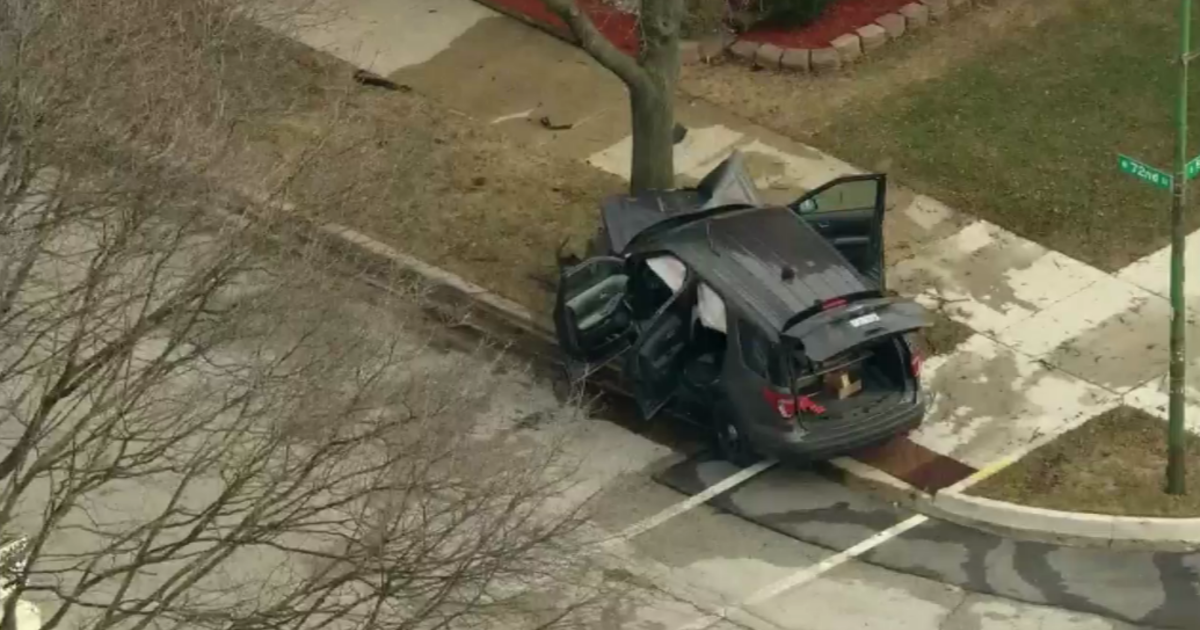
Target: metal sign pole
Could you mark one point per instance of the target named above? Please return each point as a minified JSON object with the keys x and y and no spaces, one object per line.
{"x":1176,"y":470}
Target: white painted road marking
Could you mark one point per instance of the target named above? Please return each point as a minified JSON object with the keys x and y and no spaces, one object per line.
{"x":725,"y":485}
{"x":810,"y":573}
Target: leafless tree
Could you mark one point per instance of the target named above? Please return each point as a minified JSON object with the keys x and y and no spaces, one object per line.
{"x":650,"y":79}
{"x":198,"y":427}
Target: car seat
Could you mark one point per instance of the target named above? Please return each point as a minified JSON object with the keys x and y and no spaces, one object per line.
{"x":600,"y":312}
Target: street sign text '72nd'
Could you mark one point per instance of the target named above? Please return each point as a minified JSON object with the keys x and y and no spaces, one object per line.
{"x":1146,"y":173}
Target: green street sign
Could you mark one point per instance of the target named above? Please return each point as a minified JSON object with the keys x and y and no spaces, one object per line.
{"x":1193,"y":168}
{"x":1148,"y":174}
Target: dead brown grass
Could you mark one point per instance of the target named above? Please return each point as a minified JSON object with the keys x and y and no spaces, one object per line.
{"x":1114,"y":464}
{"x":428,"y":181}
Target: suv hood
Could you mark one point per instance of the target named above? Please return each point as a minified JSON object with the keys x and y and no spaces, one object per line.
{"x":831,"y":332}
{"x":624,"y":216}
{"x":729,"y":184}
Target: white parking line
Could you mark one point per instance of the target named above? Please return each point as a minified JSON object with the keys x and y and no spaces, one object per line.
{"x":700,"y":498}
{"x":809,"y":573}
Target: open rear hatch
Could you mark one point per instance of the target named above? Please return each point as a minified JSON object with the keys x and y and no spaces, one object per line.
{"x":849,"y":357}
{"x":842,"y":325}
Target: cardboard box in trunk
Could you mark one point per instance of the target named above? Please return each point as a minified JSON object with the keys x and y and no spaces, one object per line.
{"x":843,"y":384}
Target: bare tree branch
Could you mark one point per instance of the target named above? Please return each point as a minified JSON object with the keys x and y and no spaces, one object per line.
{"x":200,"y":428}
{"x":590,"y":39}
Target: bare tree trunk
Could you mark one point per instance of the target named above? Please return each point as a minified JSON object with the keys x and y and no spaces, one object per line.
{"x":653,"y":102}
{"x":650,"y":80}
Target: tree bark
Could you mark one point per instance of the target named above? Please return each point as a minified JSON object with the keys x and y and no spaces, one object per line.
{"x":652,"y":102}
{"x":650,"y":79}
{"x":653,"y":118}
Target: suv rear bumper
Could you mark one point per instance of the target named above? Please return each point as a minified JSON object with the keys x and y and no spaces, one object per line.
{"x":833,"y":438}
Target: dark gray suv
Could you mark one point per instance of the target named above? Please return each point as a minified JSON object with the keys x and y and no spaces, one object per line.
{"x":768,"y":325}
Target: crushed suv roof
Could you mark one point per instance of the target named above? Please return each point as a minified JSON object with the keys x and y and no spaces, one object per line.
{"x":742,"y":254}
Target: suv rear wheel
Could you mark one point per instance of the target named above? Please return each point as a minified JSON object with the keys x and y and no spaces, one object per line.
{"x":733,"y":445}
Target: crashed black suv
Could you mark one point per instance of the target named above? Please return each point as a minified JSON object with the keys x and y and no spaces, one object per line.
{"x":769,"y":325}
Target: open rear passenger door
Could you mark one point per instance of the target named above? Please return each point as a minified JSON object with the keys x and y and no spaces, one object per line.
{"x":591,"y":314}
{"x":848,"y":212}
{"x":656,"y":365}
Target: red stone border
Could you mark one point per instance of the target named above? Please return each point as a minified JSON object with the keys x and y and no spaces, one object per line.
{"x":849,"y":47}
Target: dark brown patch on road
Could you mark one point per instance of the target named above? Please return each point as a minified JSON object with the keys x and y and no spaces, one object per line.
{"x":914,"y":464}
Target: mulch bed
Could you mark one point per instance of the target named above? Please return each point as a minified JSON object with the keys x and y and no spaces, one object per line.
{"x":617,"y":26}
{"x":841,"y":17}
{"x":620,"y":27}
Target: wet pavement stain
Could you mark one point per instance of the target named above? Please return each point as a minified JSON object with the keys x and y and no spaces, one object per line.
{"x":971,"y":386}
{"x":917,"y":550}
{"x":1160,"y":590}
{"x":989,"y":399}
{"x":1124,"y":350}
{"x":1181,"y":600}
{"x":959,"y":273}
{"x":1031,"y":561}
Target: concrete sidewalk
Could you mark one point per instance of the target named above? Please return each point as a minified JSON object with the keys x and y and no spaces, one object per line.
{"x":1056,"y":341}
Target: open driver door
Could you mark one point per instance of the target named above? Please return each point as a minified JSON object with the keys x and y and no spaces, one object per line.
{"x":592,"y":319}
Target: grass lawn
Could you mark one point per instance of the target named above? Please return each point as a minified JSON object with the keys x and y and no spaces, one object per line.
{"x":1114,"y":464}
{"x":1025,"y":134}
{"x":1014,"y":113}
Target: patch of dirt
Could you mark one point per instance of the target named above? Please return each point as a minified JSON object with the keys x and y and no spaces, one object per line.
{"x":1114,"y":464}
{"x":413,"y":173}
{"x":943,"y":337}
{"x":800,"y":106}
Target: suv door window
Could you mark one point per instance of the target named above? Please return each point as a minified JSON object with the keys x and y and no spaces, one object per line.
{"x":848,"y":212}
{"x":591,"y":313}
{"x":653,"y":282}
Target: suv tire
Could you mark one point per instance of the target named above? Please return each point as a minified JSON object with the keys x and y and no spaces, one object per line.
{"x":730,"y":440}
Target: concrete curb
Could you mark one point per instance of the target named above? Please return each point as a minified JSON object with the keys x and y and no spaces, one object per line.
{"x":852,"y":46}
{"x":1075,"y":529}
{"x":1021,"y":522}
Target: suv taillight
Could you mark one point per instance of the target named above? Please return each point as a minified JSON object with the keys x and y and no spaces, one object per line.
{"x":786,"y":405}
{"x":915,"y":360}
